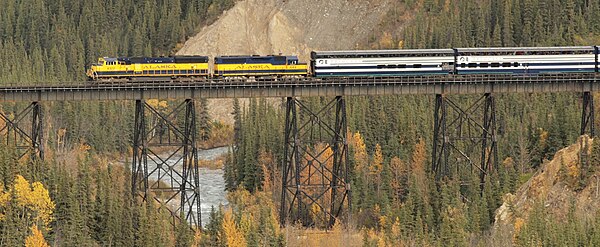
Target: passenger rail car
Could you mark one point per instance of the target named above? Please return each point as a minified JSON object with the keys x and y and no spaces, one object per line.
{"x":258,"y":66}
{"x":528,"y":60}
{"x":114,"y":69}
{"x":382,"y":63}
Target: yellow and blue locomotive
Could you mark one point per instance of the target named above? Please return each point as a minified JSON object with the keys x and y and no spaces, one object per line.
{"x":123,"y":68}
{"x":245,"y":66}
{"x":114,"y":69}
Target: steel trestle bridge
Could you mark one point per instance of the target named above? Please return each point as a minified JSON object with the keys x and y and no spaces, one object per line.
{"x":315,"y":185}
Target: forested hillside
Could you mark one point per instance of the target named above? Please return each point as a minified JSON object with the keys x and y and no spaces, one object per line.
{"x":82,"y":200}
{"x":395,"y":197}
{"x":449,"y":23}
{"x":46,"y":42}
{"x":77,"y":197}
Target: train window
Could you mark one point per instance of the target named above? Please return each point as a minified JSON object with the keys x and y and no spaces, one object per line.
{"x":495,"y":65}
{"x":279,"y":60}
{"x":402,"y":66}
{"x":472,"y":65}
{"x":417,"y":65}
{"x":463,"y":65}
{"x":381,"y":66}
{"x":516,"y":64}
{"x":505,"y":65}
{"x":483,"y":65}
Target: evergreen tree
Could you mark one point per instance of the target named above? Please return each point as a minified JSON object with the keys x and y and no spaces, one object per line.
{"x":204,"y":121}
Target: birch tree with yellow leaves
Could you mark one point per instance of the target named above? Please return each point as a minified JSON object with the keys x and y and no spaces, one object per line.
{"x":24,"y":206}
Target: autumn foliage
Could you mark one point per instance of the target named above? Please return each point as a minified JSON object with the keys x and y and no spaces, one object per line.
{"x":36,"y":239}
{"x":29,"y":203}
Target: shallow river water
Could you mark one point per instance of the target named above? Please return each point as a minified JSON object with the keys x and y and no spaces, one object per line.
{"x":212,"y":183}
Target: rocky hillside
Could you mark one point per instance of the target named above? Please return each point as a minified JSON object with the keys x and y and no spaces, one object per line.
{"x":288,"y":27}
{"x":558,"y":186}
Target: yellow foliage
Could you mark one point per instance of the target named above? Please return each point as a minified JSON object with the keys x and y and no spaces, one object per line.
{"x":152,"y":102}
{"x":418,"y":164}
{"x":386,"y":41}
{"x":84,"y":147}
{"x":381,"y":242}
{"x":268,"y":164}
{"x":382,"y":221}
{"x":396,"y":228}
{"x":34,"y":197}
{"x":360,"y":152}
{"x":197,"y":238}
{"x":246,"y":223}
{"x":252,"y":209}
{"x":519,"y":222}
{"x":157,"y":104}
{"x":315,"y":209}
{"x":36,"y":239}
{"x":233,"y":235}
{"x":543,"y":137}
{"x":377,"y":165}
{"x":162,"y":104}
{"x":573,"y":171}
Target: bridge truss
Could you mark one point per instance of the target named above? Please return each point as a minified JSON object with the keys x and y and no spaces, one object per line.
{"x":462,"y":130}
{"x":24,"y":130}
{"x":159,"y":138}
{"x":315,"y":186}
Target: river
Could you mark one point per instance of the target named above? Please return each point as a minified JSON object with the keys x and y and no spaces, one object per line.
{"x":212,"y":183}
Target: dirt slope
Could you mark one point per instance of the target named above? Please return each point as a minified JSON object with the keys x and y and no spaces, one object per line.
{"x":553,"y":186}
{"x":289,"y":27}
{"x":285,"y":26}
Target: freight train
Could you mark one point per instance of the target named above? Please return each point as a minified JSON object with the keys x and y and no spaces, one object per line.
{"x":366,"y":63}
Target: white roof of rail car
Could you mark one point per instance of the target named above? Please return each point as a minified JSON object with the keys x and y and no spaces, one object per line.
{"x":508,"y":49}
{"x":373,"y":52}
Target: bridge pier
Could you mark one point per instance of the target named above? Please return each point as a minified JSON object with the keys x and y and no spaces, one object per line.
{"x":159,"y":138}
{"x":315,"y":186}
{"x":24,"y":130}
{"x":587,"y":114}
{"x":458,"y":134}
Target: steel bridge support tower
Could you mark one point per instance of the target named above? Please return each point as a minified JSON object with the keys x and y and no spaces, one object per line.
{"x":587,"y":115}
{"x":24,"y":131}
{"x":315,"y":187}
{"x":161,"y":137}
{"x":464,"y":136}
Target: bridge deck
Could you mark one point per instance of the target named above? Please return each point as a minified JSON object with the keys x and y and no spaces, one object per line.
{"x":306,"y":87}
